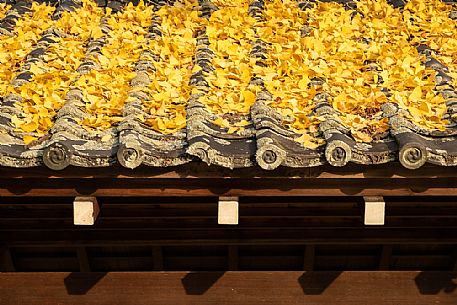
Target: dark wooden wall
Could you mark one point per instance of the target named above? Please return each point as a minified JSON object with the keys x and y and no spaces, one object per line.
{"x":274,"y":233}
{"x":300,"y":238}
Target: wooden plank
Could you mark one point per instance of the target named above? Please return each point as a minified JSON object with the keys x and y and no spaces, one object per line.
{"x":286,"y":288}
{"x":231,"y":187}
{"x":162,"y":211}
{"x":193,"y":242}
{"x":200,"y":170}
{"x":271,"y":263}
{"x":196,"y":263}
{"x":182,"y":262}
{"x":189,"y":171}
{"x":209,"y":222}
{"x":97,"y":191}
{"x":273,"y":205}
{"x":416,"y":262}
{"x":227,"y":236}
{"x":10,"y":213}
{"x":47,"y":264}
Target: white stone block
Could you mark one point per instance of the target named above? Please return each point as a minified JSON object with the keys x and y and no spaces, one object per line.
{"x":85,"y":211}
{"x":228,"y":211}
{"x":374,"y":210}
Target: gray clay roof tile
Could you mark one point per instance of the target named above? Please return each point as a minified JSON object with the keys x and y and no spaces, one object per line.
{"x":264,"y":140}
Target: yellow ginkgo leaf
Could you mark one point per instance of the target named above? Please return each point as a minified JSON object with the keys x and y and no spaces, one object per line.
{"x":34,"y":69}
{"x":29,"y":139}
{"x":303,"y":83}
{"x":232,"y":129}
{"x":248,"y":97}
{"x":307,"y":141}
{"x":415,"y":95}
{"x":29,"y":127}
{"x":180,"y":120}
{"x":221,"y":122}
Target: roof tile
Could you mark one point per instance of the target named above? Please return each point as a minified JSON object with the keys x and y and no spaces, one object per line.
{"x":240,"y":83}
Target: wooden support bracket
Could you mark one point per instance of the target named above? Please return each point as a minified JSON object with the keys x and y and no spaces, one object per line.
{"x":6,"y":260}
{"x":385,"y":258}
{"x":85,"y":211}
{"x":374,"y":210}
{"x":83,"y":259}
{"x":228,"y":211}
{"x":157,"y":258}
{"x":309,"y":258}
{"x":233,"y":258}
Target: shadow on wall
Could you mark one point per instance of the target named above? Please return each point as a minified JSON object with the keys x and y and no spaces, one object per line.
{"x":312,"y":283}
{"x":429,"y":282}
{"x":315,"y":283}
{"x":196,"y":283}
{"x":79,"y":283}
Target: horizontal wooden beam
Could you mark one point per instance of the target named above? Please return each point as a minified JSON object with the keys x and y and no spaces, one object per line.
{"x":228,"y":187}
{"x":196,"y":179}
{"x":193,"y":242}
{"x":232,"y":287}
{"x":375,"y":235}
{"x":196,"y":170}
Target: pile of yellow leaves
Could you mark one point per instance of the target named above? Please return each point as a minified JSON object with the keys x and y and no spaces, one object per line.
{"x":289,"y":69}
{"x":105,"y":90}
{"x":52,"y":77}
{"x":230,"y":32}
{"x":13,"y":49}
{"x":344,"y":45}
{"x":338,"y":49}
{"x":169,"y":90}
{"x":428,"y":23}
{"x":357,"y":55}
{"x":337,"y":54}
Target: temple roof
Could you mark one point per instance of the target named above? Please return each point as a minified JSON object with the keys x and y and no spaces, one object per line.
{"x":232,"y":83}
